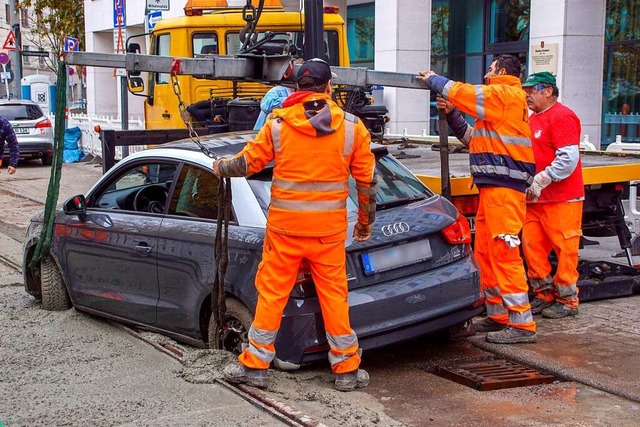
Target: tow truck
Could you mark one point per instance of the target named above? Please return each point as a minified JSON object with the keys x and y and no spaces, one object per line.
{"x":607,"y":176}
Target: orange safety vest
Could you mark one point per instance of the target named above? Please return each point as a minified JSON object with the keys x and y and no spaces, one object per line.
{"x":500,"y":149}
{"x":315,"y":146}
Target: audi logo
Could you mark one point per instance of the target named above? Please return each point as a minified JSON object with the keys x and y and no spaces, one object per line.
{"x":395,"y":228}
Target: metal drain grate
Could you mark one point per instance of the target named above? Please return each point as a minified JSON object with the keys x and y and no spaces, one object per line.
{"x":494,"y":375}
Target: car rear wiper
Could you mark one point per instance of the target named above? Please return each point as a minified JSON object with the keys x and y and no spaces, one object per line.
{"x":399,"y":202}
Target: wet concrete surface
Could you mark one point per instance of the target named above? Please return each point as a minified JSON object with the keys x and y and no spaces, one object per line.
{"x":595,"y":355}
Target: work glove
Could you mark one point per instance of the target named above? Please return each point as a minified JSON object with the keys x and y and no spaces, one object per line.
{"x":540,"y":182}
{"x":511,"y":240}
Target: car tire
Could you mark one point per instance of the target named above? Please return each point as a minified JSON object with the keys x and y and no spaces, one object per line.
{"x":53,"y":290}
{"x":238,"y":321}
{"x":47,"y":159}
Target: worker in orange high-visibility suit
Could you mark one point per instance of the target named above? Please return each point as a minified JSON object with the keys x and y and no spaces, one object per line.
{"x":554,"y":212}
{"x":315,"y":146}
{"x":502,"y":166}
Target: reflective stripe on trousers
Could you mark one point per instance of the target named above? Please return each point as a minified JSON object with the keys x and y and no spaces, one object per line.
{"x":556,"y":226}
{"x":276,"y":276}
{"x":502,"y":274}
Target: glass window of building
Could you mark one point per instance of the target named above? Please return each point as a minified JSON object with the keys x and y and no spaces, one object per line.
{"x":621,"y":97}
{"x":361,"y":35}
{"x":466,"y":35}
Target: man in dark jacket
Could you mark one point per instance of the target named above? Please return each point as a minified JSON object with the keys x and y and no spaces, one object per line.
{"x":8,"y":135}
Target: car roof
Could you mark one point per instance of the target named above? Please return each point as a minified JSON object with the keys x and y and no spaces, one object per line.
{"x":227,"y":144}
{"x":17,"y":101}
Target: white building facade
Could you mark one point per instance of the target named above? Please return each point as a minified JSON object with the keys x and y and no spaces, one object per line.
{"x":458,"y":38}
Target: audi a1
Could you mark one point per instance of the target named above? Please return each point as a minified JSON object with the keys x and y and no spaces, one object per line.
{"x":138,"y":248}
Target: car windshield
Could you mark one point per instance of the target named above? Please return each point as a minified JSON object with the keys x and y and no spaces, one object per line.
{"x":20,"y":111}
{"x":396,"y":186}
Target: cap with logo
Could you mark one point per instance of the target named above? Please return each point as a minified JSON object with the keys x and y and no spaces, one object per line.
{"x":543,"y":77}
{"x":316,"y":70}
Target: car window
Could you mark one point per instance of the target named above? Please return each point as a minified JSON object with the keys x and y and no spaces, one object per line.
{"x":396,"y":186}
{"x":143,"y":187}
{"x":20,"y":111}
{"x":196,"y":194}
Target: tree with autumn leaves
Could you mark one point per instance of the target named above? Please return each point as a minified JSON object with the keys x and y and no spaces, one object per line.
{"x":51,"y":21}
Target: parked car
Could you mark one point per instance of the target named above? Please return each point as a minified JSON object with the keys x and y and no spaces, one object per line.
{"x":139,"y":249}
{"x":33,"y":129}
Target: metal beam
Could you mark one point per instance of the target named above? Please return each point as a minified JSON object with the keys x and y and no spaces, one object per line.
{"x":255,"y":68}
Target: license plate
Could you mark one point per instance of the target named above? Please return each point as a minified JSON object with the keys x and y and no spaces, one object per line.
{"x":21,"y":131}
{"x":396,"y":256}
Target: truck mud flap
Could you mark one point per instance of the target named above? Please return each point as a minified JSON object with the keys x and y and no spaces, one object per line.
{"x":601,"y":280}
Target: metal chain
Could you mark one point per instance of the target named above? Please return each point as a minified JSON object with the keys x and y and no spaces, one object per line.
{"x":186,"y":117}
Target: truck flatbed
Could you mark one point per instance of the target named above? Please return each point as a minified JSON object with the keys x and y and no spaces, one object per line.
{"x":598,"y":167}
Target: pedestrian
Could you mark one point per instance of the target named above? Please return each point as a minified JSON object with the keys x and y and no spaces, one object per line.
{"x":314,"y":146}
{"x":8,"y":136}
{"x":276,"y":95}
{"x":554,"y":209}
{"x":502,"y":166}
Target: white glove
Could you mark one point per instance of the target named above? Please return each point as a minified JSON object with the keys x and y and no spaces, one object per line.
{"x":511,"y":240}
{"x":540,"y":182}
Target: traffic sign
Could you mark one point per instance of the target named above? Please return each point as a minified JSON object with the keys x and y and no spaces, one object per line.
{"x":41,"y":53}
{"x":119,"y":14}
{"x":157,"y":4}
{"x":152,"y":18}
{"x":10,"y":41}
{"x":71,"y":44}
{"x":4,"y":58}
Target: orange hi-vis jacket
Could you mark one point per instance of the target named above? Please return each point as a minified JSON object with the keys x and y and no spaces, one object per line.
{"x":315,"y":145}
{"x":500,"y":149}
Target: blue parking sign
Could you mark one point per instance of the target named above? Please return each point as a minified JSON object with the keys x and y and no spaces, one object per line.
{"x":119,"y":14}
{"x":71,"y":44}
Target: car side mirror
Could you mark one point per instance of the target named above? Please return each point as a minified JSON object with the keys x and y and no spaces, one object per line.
{"x":134,"y":48}
{"x":135,"y":84}
{"x":76,"y":205}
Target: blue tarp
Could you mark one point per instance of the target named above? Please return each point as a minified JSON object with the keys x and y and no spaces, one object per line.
{"x":71,"y":152}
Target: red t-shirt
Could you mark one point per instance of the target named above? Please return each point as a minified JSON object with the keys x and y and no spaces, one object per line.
{"x":551,"y":129}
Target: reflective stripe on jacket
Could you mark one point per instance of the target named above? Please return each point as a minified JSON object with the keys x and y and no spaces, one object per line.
{"x":500,"y":149}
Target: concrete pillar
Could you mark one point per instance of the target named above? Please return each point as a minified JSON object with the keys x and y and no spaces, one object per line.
{"x":406,"y":48}
{"x":577,"y":26}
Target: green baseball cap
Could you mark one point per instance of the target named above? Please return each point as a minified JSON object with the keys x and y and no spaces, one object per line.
{"x":543,"y":77}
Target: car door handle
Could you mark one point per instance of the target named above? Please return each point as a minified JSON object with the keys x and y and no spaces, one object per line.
{"x":143,"y":248}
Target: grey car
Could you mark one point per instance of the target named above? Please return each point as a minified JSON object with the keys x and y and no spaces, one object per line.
{"x":33,"y":129}
{"x":139,"y":249}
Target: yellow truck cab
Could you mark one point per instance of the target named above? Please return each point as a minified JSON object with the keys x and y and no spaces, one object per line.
{"x":212,"y":27}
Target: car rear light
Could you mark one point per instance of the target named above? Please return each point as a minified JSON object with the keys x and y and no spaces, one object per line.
{"x":467,"y":205}
{"x":46,"y":123}
{"x":459,"y":232}
{"x":304,"y":286}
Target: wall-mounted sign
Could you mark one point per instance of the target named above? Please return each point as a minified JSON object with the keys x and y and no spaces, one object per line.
{"x":157,"y":4}
{"x":544,"y":58}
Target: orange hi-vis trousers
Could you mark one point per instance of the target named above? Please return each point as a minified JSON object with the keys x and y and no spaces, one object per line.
{"x":502,"y":275}
{"x":281,"y":257}
{"x":556,"y":226}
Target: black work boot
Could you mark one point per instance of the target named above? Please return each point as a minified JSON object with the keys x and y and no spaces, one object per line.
{"x":238,"y":373}
{"x":488,"y":325}
{"x":511,"y":335}
{"x":558,"y":311}
{"x":537,"y":305}
{"x":349,"y":381}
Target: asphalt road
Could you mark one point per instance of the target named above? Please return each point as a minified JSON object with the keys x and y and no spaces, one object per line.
{"x":68,"y":368}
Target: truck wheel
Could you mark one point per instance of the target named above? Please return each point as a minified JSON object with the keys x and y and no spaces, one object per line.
{"x":238,"y":322}
{"x":53,"y":291}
